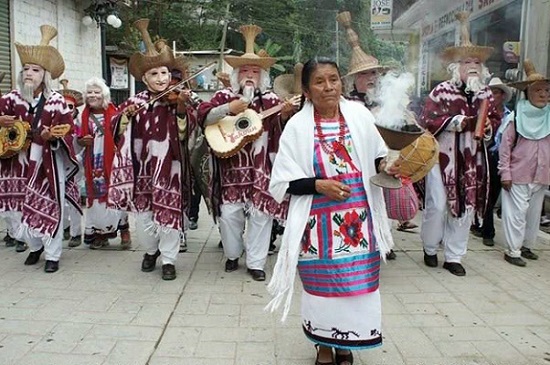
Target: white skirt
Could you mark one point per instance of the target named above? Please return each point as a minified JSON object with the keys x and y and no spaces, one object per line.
{"x":343,"y":322}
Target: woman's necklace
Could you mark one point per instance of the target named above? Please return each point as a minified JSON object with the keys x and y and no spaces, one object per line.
{"x":326,"y":146}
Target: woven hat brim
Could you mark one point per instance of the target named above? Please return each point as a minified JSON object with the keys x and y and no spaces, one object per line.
{"x":453,"y":54}
{"x":47,"y":57}
{"x":76,"y":95}
{"x":139,"y":63}
{"x":522,"y":85}
{"x":283,"y":86}
{"x":263,"y":62}
{"x":378,"y":68}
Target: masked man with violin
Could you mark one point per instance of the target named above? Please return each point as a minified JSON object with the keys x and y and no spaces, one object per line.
{"x":240,"y":192}
{"x":34,"y":183}
{"x":457,"y":187}
{"x":150,"y":172}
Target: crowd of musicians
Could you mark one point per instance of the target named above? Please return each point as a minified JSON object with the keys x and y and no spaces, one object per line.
{"x":306,"y":166}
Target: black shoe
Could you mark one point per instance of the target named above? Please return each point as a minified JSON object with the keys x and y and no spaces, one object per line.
{"x":10,"y":241}
{"x":488,"y":242}
{"x":477,"y":233}
{"x":51,"y":266}
{"x":193,"y":224}
{"x":391,"y":255}
{"x":257,"y":275}
{"x":168,"y":272}
{"x":515,"y":260}
{"x":20,"y":246}
{"x":528,"y":254}
{"x":34,"y":256}
{"x":455,"y":268}
{"x":149,"y":262}
{"x":231,"y":265}
{"x":220,"y":244}
{"x":430,"y":260}
{"x":271,"y":249}
{"x":66,"y":233}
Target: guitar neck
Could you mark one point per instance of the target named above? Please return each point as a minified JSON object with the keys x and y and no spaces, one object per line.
{"x":269,"y":112}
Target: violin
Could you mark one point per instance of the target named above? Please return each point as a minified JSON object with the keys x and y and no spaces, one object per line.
{"x":172,"y":97}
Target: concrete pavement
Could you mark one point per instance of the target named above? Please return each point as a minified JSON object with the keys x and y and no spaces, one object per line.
{"x":101,"y":309}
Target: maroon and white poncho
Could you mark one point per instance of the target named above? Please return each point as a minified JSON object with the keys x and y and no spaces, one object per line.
{"x":150,"y":170}
{"x":244,"y":177}
{"x":29,"y":180}
{"x":462,"y":160}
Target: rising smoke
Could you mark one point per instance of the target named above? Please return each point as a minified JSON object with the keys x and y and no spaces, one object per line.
{"x":393,"y":97}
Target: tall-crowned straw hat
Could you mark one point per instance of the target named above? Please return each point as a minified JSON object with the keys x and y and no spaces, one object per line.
{"x":74,"y":95}
{"x":497,"y":83}
{"x":43,"y":54}
{"x":288,"y":85}
{"x":262,"y":59}
{"x":466,"y":48}
{"x":180,"y":63}
{"x":532,"y":76}
{"x":360,"y":61}
{"x":143,"y":62}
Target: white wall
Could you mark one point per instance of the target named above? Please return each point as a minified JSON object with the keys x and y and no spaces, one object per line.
{"x":79,"y":45}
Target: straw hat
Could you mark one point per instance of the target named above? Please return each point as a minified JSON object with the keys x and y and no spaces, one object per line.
{"x":360,"y":61}
{"x":143,"y":62}
{"x":261,"y":59}
{"x":532,"y":76}
{"x":180,"y":63}
{"x":74,"y":95}
{"x":224,"y":78}
{"x":497,"y":83}
{"x":43,"y":55}
{"x":288,"y":85}
{"x":466,"y":48}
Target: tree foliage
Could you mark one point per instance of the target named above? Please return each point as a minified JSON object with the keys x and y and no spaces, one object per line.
{"x":300,"y":29}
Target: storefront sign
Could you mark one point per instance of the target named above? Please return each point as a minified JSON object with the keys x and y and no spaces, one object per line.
{"x":119,"y":73}
{"x":381,"y":14}
{"x":446,"y":19}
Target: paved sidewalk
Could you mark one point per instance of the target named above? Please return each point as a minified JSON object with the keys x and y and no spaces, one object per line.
{"x":101,"y":309}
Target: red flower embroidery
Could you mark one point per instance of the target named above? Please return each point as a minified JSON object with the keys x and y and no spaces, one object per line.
{"x":351,"y":229}
{"x":306,"y":240}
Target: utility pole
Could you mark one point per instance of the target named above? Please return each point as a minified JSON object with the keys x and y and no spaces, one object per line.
{"x":222,"y":42}
{"x":337,"y":43}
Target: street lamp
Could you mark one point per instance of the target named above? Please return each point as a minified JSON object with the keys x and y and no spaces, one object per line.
{"x":102,"y":12}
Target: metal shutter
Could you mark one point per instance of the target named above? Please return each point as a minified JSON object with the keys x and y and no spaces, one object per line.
{"x":5,"y":46}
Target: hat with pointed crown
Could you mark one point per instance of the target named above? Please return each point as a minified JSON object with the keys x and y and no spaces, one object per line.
{"x":359,"y":61}
{"x":262,"y":59}
{"x":466,"y":48}
{"x":180,"y":63}
{"x":44,"y":55}
{"x":74,"y":95}
{"x":143,"y":62}
{"x":532,"y":76}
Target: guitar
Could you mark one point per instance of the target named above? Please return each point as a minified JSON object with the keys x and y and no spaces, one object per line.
{"x":228,"y":135}
{"x":14,"y":139}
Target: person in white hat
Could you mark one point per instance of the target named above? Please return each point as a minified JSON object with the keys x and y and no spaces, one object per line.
{"x":150,"y":173}
{"x":524,"y":167}
{"x":457,"y":188}
{"x":240,"y":196}
{"x":502,"y":95}
{"x":39,"y":178}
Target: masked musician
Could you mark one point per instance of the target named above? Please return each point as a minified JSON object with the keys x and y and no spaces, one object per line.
{"x":242,"y":189}
{"x":150,"y":175}
{"x":39,"y":180}
{"x":72,"y":219}
{"x":457,"y":188}
{"x":523,"y":166}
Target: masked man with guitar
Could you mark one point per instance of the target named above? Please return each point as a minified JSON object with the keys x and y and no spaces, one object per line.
{"x":239,"y":190}
{"x":35,"y":182}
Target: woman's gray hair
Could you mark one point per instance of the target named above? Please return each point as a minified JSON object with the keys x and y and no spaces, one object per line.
{"x":454,"y":70}
{"x":105,"y":91}
{"x":263,"y":85}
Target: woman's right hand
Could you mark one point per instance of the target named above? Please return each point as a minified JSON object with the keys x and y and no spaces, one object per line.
{"x":7,"y":121}
{"x":85,"y":141}
{"x":333,"y":189}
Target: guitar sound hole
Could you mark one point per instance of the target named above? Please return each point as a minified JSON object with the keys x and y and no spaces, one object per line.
{"x":12,"y":135}
{"x":243,"y":123}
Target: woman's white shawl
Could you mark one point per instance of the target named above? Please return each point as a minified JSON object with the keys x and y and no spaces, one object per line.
{"x":294,"y":161}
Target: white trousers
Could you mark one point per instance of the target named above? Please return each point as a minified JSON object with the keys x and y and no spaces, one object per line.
{"x":521,"y":209}
{"x":54,"y":245}
{"x":258,"y":234}
{"x":439,"y":225}
{"x":166,"y":240}
{"x":73,"y":220}
{"x":100,"y":220}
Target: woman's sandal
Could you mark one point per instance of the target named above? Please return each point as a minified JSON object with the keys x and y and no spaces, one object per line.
{"x":405,"y":226}
{"x":344,"y":359}
{"x":317,"y":362}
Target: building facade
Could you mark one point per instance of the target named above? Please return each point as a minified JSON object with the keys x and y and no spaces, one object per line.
{"x":80,"y":46}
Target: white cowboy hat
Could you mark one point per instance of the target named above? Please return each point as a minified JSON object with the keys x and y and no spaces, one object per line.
{"x":496,"y":82}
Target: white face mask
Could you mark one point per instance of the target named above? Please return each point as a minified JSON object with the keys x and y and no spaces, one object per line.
{"x":157,"y":79}
{"x":94,"y":97}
